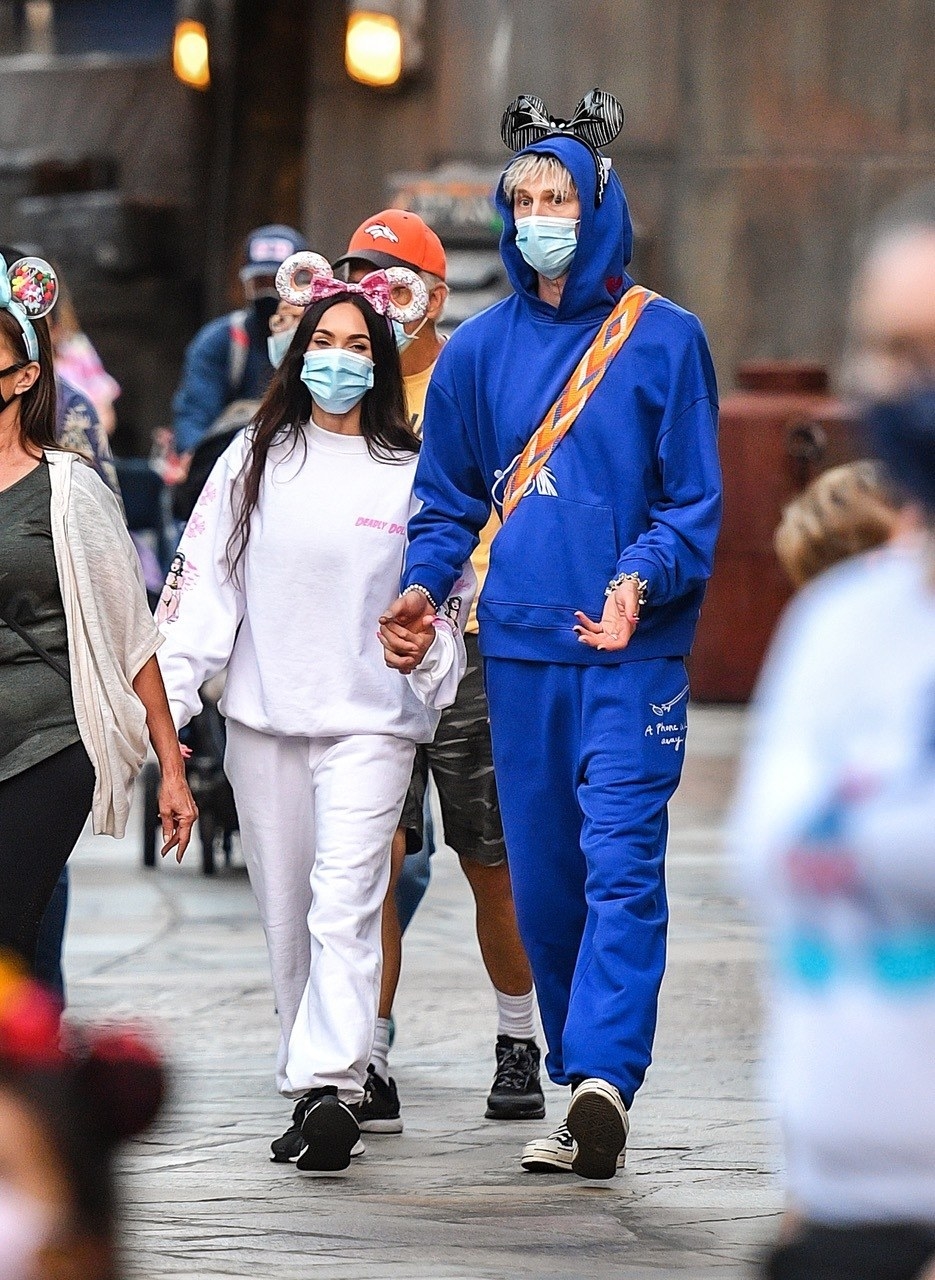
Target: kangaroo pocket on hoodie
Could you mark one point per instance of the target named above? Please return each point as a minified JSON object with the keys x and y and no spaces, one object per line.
{"x":555,"y":553}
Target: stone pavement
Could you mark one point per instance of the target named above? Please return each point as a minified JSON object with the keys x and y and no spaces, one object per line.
{"x":447,"y":1198}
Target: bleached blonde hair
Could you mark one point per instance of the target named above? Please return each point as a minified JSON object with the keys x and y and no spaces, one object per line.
{"x":538,"y":168}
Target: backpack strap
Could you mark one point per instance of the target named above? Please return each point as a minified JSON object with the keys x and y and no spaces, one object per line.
{"x":590,"y":369}
{"x":238,"y":352}
{"x":36,"y":647}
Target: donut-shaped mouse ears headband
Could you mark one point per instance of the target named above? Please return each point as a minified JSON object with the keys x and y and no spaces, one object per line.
{"x":597,"y":120}
{"x":307,"y":277}
{"x":28,"y":290}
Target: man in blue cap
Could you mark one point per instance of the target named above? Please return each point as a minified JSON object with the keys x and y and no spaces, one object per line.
{"x":584,"y":408}
{"x":227,"y":359}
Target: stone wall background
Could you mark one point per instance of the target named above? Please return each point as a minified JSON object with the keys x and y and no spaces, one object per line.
{"x":760,"y":137}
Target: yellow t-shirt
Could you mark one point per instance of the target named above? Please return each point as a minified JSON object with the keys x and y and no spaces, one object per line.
{"x":416,"y":388}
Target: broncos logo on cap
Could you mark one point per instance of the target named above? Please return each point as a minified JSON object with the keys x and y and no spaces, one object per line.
{"x":380,"y":231}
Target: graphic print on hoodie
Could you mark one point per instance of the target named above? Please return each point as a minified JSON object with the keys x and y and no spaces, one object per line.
{"x":634,"y":487}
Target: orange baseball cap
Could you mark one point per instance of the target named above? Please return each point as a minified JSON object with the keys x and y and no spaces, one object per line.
{"x":396,"y":238}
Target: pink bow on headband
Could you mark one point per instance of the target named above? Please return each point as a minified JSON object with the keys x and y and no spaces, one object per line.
{"x":377,"y":287}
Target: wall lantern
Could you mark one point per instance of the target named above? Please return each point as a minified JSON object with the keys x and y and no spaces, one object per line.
{"x":383,"y":42}
{"x":190,"y":45}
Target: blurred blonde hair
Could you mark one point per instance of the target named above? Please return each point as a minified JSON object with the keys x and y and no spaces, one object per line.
{"x":843,"y":512}
{"x":547,"y":168}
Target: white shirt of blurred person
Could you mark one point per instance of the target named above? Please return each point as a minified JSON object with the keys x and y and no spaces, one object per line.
{"x":227,"y":359}
{"x":833,"y":831}
{"x":288,"y":547}
{"x":460,"y":758}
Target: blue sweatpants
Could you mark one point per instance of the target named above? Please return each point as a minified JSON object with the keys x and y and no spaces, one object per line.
{"x":586,"y":760}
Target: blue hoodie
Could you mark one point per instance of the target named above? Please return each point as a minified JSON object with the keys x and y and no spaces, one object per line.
{"x":634,"y":487}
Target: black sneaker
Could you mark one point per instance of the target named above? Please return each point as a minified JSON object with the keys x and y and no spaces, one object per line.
{"x":287,"y":1148}
{"x":516,"y":1093}
{"x":330,"y":1133}
{"x":379,"y":1110}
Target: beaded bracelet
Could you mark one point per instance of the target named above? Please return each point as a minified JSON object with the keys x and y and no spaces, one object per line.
{"x":642,"y":586}
{"x":423,"y":591}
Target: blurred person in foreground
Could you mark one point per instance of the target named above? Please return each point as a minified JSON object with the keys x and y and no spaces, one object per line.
{"x":844,"y":511}
{"x":834,"y":836}
{"x":585,"y":407}
{"x":66,"y":1106}
{"x":228,"y":358}
{"x":459,"y":757}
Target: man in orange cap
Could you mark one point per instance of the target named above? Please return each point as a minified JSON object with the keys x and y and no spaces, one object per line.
{"x":460,"y":758}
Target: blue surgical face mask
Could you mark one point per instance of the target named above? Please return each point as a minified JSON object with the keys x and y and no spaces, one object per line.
{"x":403,"y":339}
{"x":547,"y":244}
{"x":277,"y":344}
{"x":337,"y":379}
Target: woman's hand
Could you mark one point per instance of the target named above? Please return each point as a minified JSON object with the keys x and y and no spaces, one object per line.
{"x":618,"y":621}
{"x":178,"y":812}
{"x":407,"y":631}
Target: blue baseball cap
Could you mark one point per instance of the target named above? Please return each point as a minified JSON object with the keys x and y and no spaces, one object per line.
{"x":266,"y":248}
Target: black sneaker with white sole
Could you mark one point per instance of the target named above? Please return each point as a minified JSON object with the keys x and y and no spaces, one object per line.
{"x":599,"y":1124}
{"x":378,"y":1111}
{"x":552,"y":1154}
{"x":330,"y":1133}
{"x":516,"y":1093}
{"x":286,"y":1149}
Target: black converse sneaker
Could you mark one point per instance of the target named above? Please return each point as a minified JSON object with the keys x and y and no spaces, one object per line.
{"x":599,"y":1124}
{"x":555,"y":1153}
{"x":516,"y":1093}
{"x":552,"y":1154}
{"x":378,"y":1112}
{"x":330,"y":1133}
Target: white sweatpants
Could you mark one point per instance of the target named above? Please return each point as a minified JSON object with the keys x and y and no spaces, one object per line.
{"x":317,"y":817}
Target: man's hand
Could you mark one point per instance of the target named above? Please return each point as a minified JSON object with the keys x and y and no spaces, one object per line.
{"x":407,"y":631}
{"x":618,"y":621}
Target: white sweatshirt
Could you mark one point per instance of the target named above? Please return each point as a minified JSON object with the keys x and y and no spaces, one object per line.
{"x":834,"y":835}
{"x":297,"y":627}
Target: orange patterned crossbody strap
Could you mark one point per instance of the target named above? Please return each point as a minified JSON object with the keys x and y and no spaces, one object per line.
{"x":590,"y":369}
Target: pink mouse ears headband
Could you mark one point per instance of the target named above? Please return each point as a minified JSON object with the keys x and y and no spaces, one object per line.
{"x":307,"y":277}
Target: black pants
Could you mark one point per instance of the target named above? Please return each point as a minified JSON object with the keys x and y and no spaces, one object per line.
{"x":42,"y":811}
{"x":897,"y":1251}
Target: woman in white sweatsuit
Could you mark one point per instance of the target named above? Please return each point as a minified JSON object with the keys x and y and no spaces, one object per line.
{"x":291,"y":555}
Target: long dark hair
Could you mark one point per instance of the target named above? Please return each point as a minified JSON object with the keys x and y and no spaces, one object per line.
{"x":288,"y":405}
{"x":37,"y":412}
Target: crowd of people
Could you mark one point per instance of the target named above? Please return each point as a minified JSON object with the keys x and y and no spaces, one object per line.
{"x":479,"y":563}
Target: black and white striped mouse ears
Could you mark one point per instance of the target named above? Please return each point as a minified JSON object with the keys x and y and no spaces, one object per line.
{"x":597,"y":120}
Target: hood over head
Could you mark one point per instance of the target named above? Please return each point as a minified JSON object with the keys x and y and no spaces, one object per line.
{"x":597,"y":277}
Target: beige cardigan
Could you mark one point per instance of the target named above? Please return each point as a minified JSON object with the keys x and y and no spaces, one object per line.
{"x":111,"y":633}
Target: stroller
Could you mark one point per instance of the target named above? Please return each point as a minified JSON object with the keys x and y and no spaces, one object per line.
{"x":217,"y":814}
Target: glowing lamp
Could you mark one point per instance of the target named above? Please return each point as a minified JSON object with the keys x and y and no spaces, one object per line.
{"x":190,"y":54}
{"x":373,"y":49}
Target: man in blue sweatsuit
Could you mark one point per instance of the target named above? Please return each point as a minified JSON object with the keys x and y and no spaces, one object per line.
{"x":587,"y":705}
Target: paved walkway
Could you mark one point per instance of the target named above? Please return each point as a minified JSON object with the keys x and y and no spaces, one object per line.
{"x":446,"y":1198}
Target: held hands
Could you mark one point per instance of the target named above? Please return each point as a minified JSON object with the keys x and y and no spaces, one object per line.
{"x":618,"y":621}
{"x":407,"y":631}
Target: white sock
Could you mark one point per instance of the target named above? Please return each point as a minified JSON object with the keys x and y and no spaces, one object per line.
{"x":379,"y":1059}
{"x":515,"y":1015}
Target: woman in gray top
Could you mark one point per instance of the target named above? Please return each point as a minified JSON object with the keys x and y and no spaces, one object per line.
{"x":79,"y":682}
